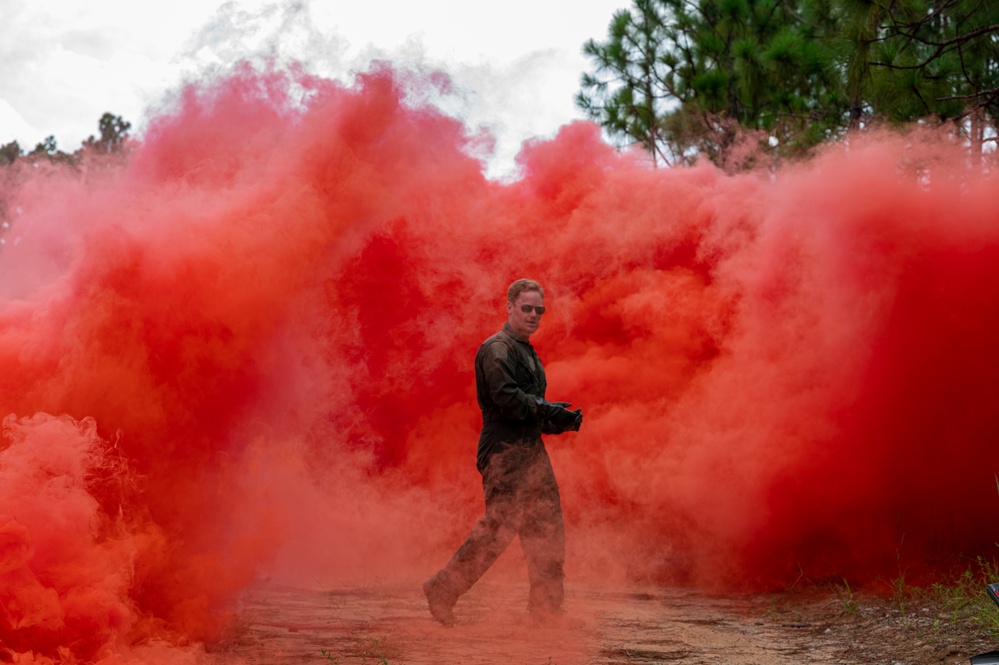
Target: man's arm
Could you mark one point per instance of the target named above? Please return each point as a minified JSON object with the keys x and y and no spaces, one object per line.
{"x":498,"y":371}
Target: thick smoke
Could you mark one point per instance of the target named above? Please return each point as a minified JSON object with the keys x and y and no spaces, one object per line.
{"x":250,"y":353}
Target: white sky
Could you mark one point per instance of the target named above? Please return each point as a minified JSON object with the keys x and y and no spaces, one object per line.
{"x":63,"y":63}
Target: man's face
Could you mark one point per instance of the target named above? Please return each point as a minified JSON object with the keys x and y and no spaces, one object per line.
{"x":525,"y":322}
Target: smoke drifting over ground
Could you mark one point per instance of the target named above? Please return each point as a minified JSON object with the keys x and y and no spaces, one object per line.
{"x":250,"y":353}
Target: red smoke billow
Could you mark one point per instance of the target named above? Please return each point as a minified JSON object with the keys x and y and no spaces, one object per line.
{"x":250,"y":352}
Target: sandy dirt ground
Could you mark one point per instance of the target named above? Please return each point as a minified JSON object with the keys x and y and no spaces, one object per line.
{"x":389,"y":624}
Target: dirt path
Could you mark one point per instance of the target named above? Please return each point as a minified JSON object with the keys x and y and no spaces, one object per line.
{"x":390,"y":624}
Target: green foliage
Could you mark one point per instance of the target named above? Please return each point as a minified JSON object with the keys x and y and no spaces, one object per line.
{"x":114,"y":135}
{"x":935,"y":58}
{"x":847,"y":601}
{"x":46,"y":147}
{"x":963,"y":596}
{"x":688,"y":78}
{"x":99,"y":154}
{"x":719,"y":71}
{"x":901,"y":592}
{"x":624,"y":94}
{"x":9,"y":153}
{"x":113,"y":141}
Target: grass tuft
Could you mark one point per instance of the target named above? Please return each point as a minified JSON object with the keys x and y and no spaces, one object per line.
{"x":963,"y":597}
{"x":847,"y":601}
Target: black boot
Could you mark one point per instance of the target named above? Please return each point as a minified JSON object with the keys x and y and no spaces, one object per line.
{"x":441,"y":603}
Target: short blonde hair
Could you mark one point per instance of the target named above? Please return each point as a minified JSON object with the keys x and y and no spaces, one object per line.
{"x":522,"y":285}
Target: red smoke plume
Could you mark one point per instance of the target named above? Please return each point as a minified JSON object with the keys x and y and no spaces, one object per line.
{"x":250,"y":352}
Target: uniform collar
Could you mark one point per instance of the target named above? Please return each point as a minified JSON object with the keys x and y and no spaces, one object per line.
{"x":508,"y":329}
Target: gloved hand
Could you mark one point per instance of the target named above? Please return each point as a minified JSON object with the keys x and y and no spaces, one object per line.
{"x":577,"y":422}
{"x":556,"y":418}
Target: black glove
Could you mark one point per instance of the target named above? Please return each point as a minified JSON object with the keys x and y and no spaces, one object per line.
{"x":577,"y":422}
{"x":556,"y":418}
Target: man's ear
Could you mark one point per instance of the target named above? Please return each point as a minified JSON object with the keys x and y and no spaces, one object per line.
{"x":509,"y":307}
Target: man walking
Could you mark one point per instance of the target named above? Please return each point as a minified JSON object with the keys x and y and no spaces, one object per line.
{"x":521,"y":494}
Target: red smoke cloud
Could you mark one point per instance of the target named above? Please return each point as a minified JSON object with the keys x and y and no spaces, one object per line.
{"x":250,"y":352}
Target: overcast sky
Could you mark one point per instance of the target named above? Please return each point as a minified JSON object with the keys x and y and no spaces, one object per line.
{"x":63,"y":63}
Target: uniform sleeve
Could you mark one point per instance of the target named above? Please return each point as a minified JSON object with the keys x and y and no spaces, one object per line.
{"x":499,"y":375}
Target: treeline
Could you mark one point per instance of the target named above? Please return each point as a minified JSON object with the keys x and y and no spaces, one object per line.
{"x":112,"y":139}
{"x":98,"y":152}
{"x":734,"y":80}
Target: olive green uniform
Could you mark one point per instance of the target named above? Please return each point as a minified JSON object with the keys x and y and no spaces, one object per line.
{"x":521,"y":493}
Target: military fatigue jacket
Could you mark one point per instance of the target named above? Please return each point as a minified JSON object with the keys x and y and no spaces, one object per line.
{"x":508,"y":378}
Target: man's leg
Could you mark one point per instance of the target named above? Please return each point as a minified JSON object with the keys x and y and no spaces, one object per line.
{"x":542,"y":535}
{"x":488,"y":539}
